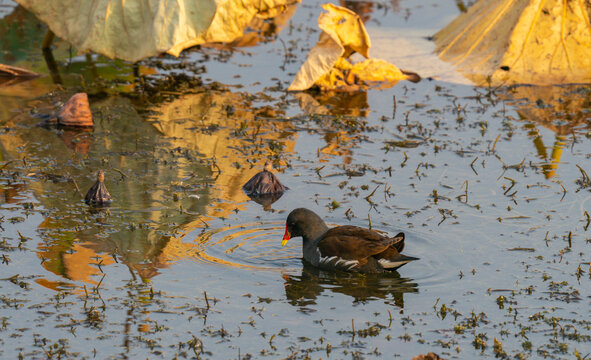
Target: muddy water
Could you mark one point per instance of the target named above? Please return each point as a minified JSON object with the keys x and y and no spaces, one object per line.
{"x":485,"y":183}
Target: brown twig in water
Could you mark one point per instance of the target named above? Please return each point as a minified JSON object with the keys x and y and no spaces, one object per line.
{"x":120,"y":172}
{"x":368,"y":197}
{"x":75,"y":184}
{"x":472,"y":165}
{"x":206,"y":300}
{"x":586,"y":181}
{"x":563,"y":192}
{"x":495,"y":143}
{"x":465,"y":194}
{"x":9,"y":162}
{"x":390,"y":315}
{"x":100,"y":282}
{"x":510,"y":187}
{"x":402,"y":164}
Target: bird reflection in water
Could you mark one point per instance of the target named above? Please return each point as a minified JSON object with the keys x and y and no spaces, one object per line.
{"x":304,"y":289}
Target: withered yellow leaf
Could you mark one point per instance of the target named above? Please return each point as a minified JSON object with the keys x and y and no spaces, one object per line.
{"x":134,"y":30}
{"x":233,"y":16}
{"x":370,"y":73}
{"x":340,"y":27}
{"x":379,"y":71}
{"x":128,"y":30}
{"x":345,"y":28}
{"x":505,"y":42}
{"x":343,"y":34}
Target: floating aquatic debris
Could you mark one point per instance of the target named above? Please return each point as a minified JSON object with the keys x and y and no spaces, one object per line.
{"x":522,"y":249}
{"x":14,"y":71}
{"x":429,"y":356}
{"x":409,"y":144}
{"x":264,"y":183}
{"x":76,"y":112}
{"x":98,"y":193}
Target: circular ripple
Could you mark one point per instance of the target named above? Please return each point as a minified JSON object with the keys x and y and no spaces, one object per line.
{"x":258,"y":246}
{"x":254,"y":246}
{"x":435,"y":267}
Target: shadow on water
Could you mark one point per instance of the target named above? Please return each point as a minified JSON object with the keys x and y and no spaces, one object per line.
{"x":304,"y":289}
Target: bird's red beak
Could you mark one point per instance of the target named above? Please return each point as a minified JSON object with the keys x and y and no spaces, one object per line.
{"x":286,"y":237}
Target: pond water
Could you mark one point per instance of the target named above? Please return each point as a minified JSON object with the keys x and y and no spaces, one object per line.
{"x":488,"y":184}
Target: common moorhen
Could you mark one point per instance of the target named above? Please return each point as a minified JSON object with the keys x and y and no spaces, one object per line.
{"x":264,"y":183}
{"x":349,"y":248}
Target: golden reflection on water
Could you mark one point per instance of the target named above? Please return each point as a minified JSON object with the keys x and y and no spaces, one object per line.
{"x":334,"y":103}
{"x":223,"y":126}
{"x":562,"y":109}
{"x":251,"y":246}
{"x":229,"y":128}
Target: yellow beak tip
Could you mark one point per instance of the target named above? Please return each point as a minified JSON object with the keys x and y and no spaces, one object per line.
{"x":284,"y":242}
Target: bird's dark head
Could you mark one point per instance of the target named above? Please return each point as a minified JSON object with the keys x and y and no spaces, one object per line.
{"x":305,"y":223}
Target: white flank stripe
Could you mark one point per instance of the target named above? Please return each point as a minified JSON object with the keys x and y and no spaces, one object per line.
{"x":387,"y":264}
{"x":338,"y":262}
{"x":353,"y":265}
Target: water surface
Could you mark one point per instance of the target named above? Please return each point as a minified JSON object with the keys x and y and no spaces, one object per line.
{"x":487,"y":184}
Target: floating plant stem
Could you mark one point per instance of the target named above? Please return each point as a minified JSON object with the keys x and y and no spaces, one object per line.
{"x":368,"y":197}
{"x":472,"y":165}
{"x":495,"y":143}
{"x":510,"y":187}
{"x":317,"y":170}
{"x":206,"y":300}
{"x":123,"y":176}
{"x":10,"y":162}
{"x":100,"y":282}
{"x":75,"y":184}
{"x":563,"y":192}
{"x":465,"y":194}
{"x":390,"y":316}
{"x":585,"y":182}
